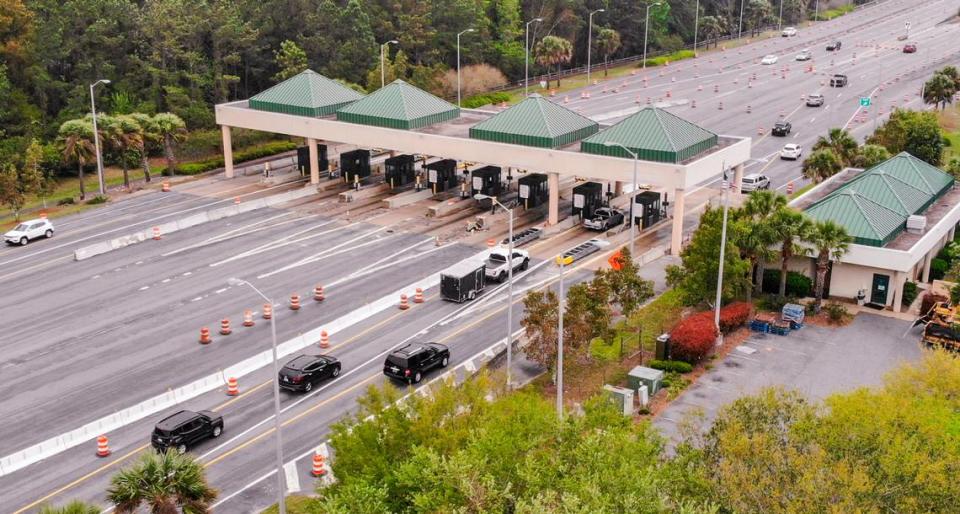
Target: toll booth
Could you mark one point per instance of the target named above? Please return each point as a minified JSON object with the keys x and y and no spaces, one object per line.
{"x":532,"y":189}
{"x":303,"y":159}
{"x":587,"y":197}
{"x":399,"y":170}
{"x":646,"y":209}
{"x":355,"y":163}
{"x":442,"y":175}
{"x":486,"y":181}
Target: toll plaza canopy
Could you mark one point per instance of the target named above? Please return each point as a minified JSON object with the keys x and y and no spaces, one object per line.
{"x":307,"y":93}
{"x":535,"y":121}
{"x":654,"y":135}
{"x":400,"y":106}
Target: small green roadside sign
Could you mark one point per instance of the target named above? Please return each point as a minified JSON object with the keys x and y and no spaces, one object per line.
{"x":864,"y":101}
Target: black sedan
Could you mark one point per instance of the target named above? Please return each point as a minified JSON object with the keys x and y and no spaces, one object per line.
{"x":306,"y":371}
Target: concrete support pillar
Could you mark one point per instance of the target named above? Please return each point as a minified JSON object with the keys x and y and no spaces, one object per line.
{"x":738,"y":178}
{"x":926,"y":267}
{"x":553,"y":208}
{"x":314,"y":161}
{"x":951,"y":234}
{"x":898,"y":280}
{"x":227,"y":151}
{"x":617,"y":188}
{"x":676,"y":237}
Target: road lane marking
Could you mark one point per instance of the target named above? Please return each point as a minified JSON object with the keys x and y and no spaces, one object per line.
{"x":293,"y":479}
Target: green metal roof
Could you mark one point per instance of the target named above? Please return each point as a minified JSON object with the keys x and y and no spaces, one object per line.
{"x":535,"y":121}
{"x":655,"y":135}
{"x":307,"y":93}
{"x":875,"y":205}
{"x":399,"y":105}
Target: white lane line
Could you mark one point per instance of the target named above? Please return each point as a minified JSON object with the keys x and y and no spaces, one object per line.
{"x":376,"y":265}
{"x":283,"y":241}
{"x":237,"y":232}
{"x":293,"y":480}
{"x":218,"y":291}
{"x":329,"y":252}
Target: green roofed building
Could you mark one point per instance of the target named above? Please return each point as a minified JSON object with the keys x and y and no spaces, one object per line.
{"x":399,"y":105}
{"x":306,"y":94}
{"x":655,"y":135}
{"x":875,"y":205}
{"x":535,"y":121}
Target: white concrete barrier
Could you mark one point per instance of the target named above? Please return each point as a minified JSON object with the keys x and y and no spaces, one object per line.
{"x":445,"y":208}
{"x":406,"y":198}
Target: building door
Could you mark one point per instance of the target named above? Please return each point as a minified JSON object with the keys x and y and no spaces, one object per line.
{"x":878,"y":293}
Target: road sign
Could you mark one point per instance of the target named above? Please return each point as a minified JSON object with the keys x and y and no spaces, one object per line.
{"x":864,"y":101}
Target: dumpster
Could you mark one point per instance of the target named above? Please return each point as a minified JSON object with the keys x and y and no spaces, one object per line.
{"x":587,"y":197}
{"x":646,"y":209}
{"x":442,"y":175}
{"x":532,"y":189}
{"x":355,"y":164}
{"x":486,"y":181}
{"x":399,"y":170}
{"x":303,"y":159}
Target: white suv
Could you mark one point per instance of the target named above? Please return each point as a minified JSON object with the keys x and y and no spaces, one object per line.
{"x":754,"y":182}
{"x":33,"y":229}
{"x":789,"y":32}
{"x":791,"y":151}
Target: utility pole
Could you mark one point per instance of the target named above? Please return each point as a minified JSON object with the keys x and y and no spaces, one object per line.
{"x":646,"y":30}
{"x":458,"y":63}
{"x":723,"y":247}
{"x":590,"y":39}
{"x":526,"y":57}
{"x":696,"y":28}
{"x":96,"y":135}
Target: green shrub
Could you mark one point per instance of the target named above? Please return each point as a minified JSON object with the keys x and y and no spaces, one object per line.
{"x":97,"y":200}
{"x":910,"y":292}
{"x":66,"y":201}
{"x":830,"y":14}
{"x":836,"y":312}
{"x":662,"y":59}
{"x":485,"y":99}
{"x":264,"y":150}
{"x":775,"y":302}
{"x":938,"y":268}
{"x":798,"y":284}
{"x":674,"y":366}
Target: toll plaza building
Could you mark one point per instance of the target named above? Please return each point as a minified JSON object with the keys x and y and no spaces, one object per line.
{"x":535,"y":136}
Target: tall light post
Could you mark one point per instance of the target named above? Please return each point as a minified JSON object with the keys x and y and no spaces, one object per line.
{"x":526,"y":55}
{"x":696,"y":27}
{"x":780,"y":20}
{"x":458,"y":62}
{"x":633,"y":224}
{"x":590,"y":39}
{"x":281,"y":502}
{"x":96,"y":136}
{"x":382,"y":48}
{"x":479,"y":196}
{"x":646,"y":29}
{"x":816,"y":12}
{"x":740,"y":27}
{"x":723,"y":247}
{"x":563,"y":262}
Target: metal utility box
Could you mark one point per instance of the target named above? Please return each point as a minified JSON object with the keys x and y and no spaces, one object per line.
{"x":532,"y":189}
{"x":663,"y":347}
{"x":486,"y":181}
{"x":303,"y":159}
{"x":355,"y":164}
{"x":442,"y":175}
{"x":463,"y":281}
{"x":621,"y":397}
{"x":399,"y":170}
{"x":646,"y":209}
{"x":641,"y":375}
{"x":587,"y":197}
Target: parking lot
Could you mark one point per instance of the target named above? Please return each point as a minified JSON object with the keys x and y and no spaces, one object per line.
{"x":817,"y":361}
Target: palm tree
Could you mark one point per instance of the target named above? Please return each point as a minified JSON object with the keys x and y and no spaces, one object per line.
{"x":76,"y":139}
{"x":844,"y":146}
{"x":74,"y":507}
{"x":171,"y":130}
{"x":757,"y":13}
{"x":951,"y":71}
{"x":759,"y":208}
{"x":149,"y":136}
{"x":821,"y":165}
{"x":790,"y":227}
{"x":608,"y":42}
{"x":831,"y":241}
{"x":125,"y":139}
{"x":939,"y":90}
{"x":165,"y":483}
{"x":553,"y":50}
{"x":869,"y":156}
{"x":711,"y":27}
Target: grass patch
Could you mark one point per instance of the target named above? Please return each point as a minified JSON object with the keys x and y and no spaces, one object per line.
{"x":647,"y":323}
{"x":675,"y":56}
{"x":802,"y":190}
{"x":296,"y":505}
{"x":836,"y":12}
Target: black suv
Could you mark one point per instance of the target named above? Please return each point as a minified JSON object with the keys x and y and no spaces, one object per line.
{"x":834,"y":46}
{"x":838,"y":80}
{"x":410,"y":362}
{"x":185,"y":429}
{"x":303,"y":372}
{"x":781,"y":128}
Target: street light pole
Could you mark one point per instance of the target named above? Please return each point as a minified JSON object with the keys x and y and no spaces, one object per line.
{"x":590,"y":39}
{"x":96,"y":135}
{"x":633,"y":224}
{"x":816,"y":11}
{"x":458,"y":63}
{"x":382,"y":47}
{"x":281,"y":500}
{"x":740,"y":27}
{"x":509,"y":288}
{"x":696,"y":28}
{"x":646,"y":29}
{"x":723,"y":247}
{"x":526,"y":56}
{"x":780,"y":21}
{"x":562,"y":262}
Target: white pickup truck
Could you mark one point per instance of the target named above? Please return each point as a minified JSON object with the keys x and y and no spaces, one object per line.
{"x":496,"y":263}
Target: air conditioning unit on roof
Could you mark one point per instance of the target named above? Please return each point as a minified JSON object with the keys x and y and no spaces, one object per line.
{"x":916,"y":224}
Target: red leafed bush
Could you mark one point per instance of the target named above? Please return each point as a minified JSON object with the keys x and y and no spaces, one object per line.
{"x":693,"y":338}
{"x":734,"y":316}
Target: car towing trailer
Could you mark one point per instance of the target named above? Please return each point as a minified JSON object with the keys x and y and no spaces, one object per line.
{"x":463,"y":281}
{"x":532,"y":189}
{"x":442,"y":175}
{"x":355,"y":165}
{"x":400,"y":170}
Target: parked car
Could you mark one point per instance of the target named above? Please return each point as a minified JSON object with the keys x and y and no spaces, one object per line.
{"x":769,"y":59}
{"x":305,"y":371}
{"x":754,"y":182}
{"x":791,"y":151}
{"x":833,"y":46}
{"x":184,"y":429}
{"x":815,"y":100}
{"x":33,"y":229}
{"x":910,"y":48}
{"x":781,"y":128}
{"x":496,"y":264}
{"x":604,"y":218}
{"x":789,"y":32}
{"x":838,"y":80}
{"x":804,"y":55}
{"x":409,"y":363}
